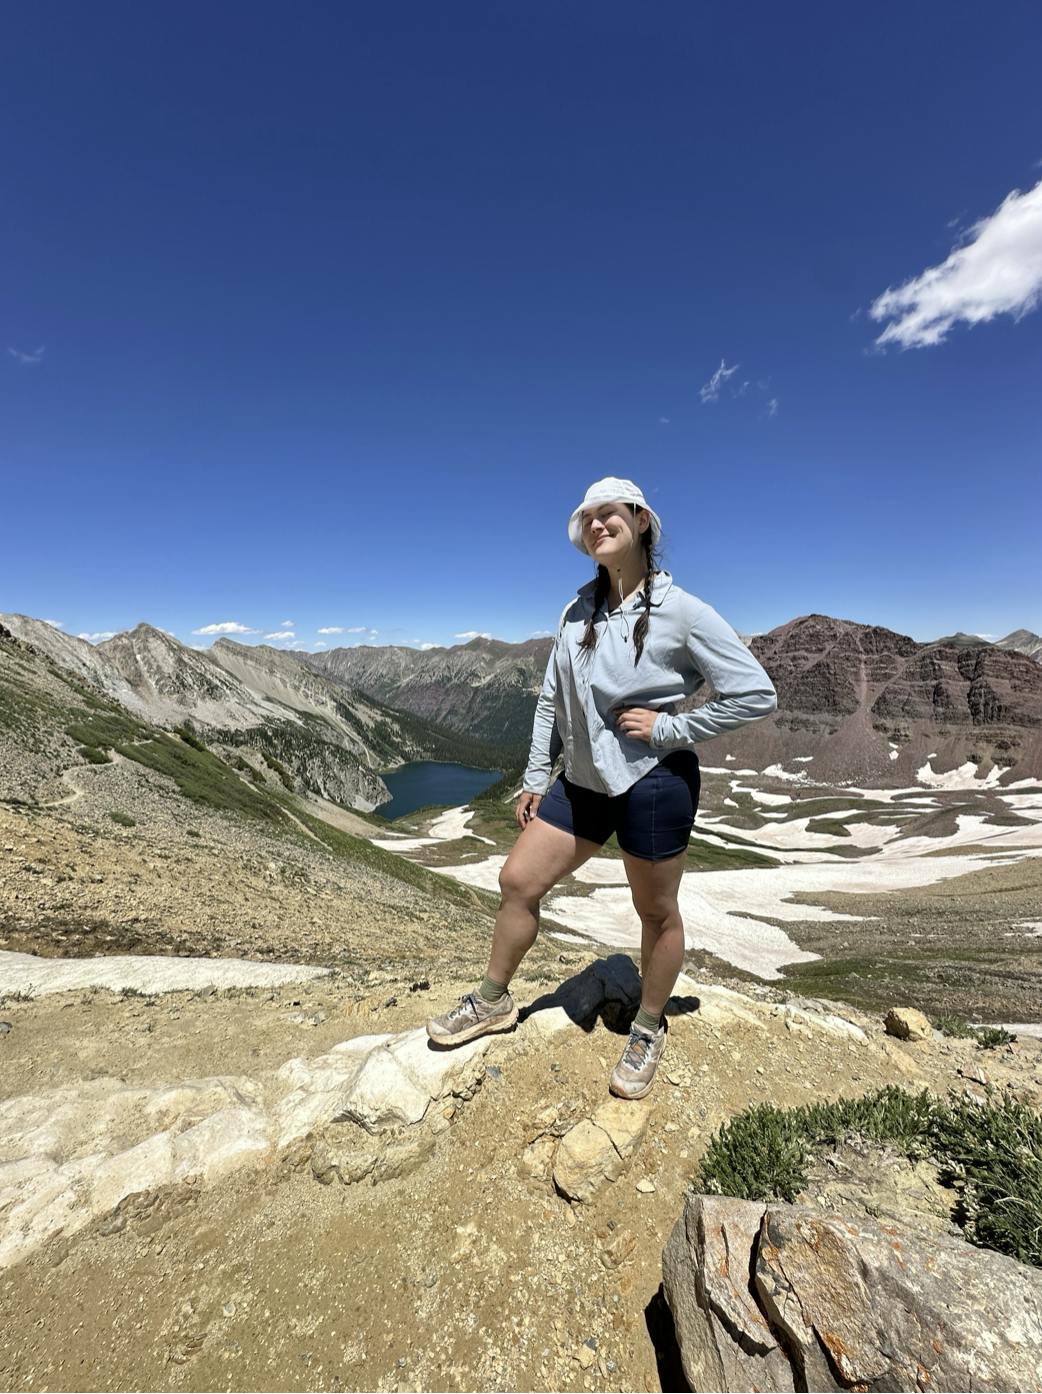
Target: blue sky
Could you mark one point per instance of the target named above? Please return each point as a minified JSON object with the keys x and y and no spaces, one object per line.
{"x":323,"y":317}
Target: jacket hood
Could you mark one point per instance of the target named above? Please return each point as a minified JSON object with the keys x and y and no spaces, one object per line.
{"x":660,"y":587}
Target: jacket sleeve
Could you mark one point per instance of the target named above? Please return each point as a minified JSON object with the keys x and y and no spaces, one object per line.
{"x":744,"y":691}
{"x":546,"y":739}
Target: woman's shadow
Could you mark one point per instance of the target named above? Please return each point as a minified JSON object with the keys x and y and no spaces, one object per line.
{"x":606,"y":990}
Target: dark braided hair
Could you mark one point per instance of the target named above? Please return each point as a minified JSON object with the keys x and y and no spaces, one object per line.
{"x":600,"y":595}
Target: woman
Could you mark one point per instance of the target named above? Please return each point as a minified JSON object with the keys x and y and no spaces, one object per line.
{"x":628,"y":648}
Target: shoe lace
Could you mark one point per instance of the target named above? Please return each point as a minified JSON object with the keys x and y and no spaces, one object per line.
{"x":460,"y":1009}
{"x":637,"y":1047}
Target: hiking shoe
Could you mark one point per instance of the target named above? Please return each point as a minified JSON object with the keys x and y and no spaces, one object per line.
{"x":472,"y":1016}
{"x":634,"y":1075}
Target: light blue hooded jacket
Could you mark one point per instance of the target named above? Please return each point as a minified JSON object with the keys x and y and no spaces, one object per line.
{"x":687,"y":643}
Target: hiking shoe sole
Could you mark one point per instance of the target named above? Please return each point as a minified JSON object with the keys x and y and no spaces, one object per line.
{"x":636,"y":1094}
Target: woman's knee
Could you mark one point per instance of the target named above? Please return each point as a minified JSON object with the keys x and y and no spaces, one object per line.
{"x":516,"y":883}
{"x":656,"y":911}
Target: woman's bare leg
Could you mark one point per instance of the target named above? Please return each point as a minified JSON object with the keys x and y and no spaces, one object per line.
{"x":654,"y":887}
{"x":540,"y":857}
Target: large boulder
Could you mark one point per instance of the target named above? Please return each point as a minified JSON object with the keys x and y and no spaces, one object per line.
{"x":782,"y":1297}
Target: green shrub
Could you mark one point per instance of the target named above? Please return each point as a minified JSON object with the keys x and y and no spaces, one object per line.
{"x":990,"y":1036}
{"x":93,"y":755}
{"x":202,"y":777}
{"x":987,"y":1037}
{"x":281,"y":770}
{"x":950,"y":1024}
{"x":190,"y":738}
{"x":123,"y":819}
{"x":991,"y":1153}
{"x":105,"y":730}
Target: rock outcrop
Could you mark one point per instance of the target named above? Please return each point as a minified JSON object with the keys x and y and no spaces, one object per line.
{"x":784,"y":1297}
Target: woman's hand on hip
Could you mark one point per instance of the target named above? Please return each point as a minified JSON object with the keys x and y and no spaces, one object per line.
{"x":527,"y":806}
{"x":635,"y":722}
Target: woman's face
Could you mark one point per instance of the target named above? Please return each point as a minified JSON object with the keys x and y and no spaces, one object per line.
{"x":611,"y":532}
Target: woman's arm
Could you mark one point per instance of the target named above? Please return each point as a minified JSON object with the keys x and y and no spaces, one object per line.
{"x":744,"y":691}
{"x":546,"y":739}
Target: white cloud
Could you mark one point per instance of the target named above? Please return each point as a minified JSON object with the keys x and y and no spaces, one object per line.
{"x":426,"y":646}
{"x":332,"y":629}
{"x":101,"y":634}
{"x":27,"y":357}
{"x":772,"y":407}
{"x":226,"y":627}
{"x":320,"y":644}
{"x":55,"y":624}
{"x":285,"y":624}
{"x":710,"y":391}
{"x":473,"y":634}
{"x":281,"y":634}
{"x":996,"y":271}
{"x":361,"y":629}
{"x":663,"y":421}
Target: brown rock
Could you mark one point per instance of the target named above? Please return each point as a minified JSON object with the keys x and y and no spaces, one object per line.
{"x":907,"y":1024}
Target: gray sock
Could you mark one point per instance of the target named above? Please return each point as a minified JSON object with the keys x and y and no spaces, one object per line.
{"x":490,"y":990}
{"x":647,"y":1021}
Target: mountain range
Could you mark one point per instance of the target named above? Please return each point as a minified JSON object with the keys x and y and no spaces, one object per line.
{"x":860,"y":703}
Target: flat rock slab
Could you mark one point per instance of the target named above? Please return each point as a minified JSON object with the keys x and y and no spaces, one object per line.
{"x":68,"y":1156}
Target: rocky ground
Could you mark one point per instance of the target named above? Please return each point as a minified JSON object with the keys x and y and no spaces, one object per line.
{"x":472,"y":1271}
{"x":462,"y":1265}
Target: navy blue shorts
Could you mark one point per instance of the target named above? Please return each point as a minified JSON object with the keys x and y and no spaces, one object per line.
{"x":653,"y":818}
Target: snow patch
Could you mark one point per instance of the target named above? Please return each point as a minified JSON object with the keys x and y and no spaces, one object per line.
{"x":144,"y":973}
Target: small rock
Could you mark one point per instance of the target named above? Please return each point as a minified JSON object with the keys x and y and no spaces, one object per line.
{"x":646,"y":1186}
{"x":537,"y":1157}
{"x":5,"y":1026}
{"x":617,"y":1247}
{"x":907,"y":1024}
{"x":421,"y":986}
{"x":976,"y":1074}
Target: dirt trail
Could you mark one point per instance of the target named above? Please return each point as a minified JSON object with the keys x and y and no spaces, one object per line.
{"x":77,"y":792}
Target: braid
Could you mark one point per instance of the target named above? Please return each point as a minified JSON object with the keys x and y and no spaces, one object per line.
{"x":640,"y":629}
{"x":600,"y":595}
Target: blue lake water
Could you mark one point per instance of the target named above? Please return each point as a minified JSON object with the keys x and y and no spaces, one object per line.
{"x":425,"y":782}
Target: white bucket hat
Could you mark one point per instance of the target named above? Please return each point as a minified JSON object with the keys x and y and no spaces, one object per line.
{"x":610,"y":490}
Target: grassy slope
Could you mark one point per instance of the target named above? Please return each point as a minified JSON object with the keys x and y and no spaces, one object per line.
{"x":41,"y":703}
